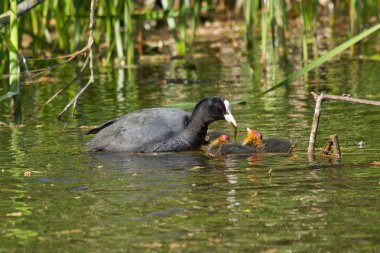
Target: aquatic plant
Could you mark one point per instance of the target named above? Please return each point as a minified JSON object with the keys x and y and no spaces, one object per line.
{"x":327,"y":56}
{"x":14,"y":68}
{"x":61,"y":26}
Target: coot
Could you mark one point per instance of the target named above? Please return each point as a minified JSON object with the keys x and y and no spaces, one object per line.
{"x":254,"y":138}
{"x":210,"y":136}
{"x":267,"y":145}
{"x":222,"y":146}
{"x":160,"y":129}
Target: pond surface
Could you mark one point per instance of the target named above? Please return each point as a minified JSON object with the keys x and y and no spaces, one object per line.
{"x":72,"y":201}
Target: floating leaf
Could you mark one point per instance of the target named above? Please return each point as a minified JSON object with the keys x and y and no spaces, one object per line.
{"x":14,"y":214}
{"x":28,"y":173}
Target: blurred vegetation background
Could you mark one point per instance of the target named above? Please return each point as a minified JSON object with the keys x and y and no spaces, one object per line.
{"x":125,"y":30}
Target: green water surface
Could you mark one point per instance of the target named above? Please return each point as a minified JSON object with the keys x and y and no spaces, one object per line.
{"x":189,"y":202}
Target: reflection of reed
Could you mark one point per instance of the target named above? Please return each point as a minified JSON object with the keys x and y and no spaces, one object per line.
{"x":16,"y":204}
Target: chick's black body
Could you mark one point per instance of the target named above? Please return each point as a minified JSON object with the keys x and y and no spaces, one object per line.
{"x":276,"y":145}
{"x":222,"y":146}
{"x":236,"y":148}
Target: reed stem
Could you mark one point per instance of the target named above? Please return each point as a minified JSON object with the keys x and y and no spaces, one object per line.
{"x":264,"y":29}
{"x":194,"y":22}
{"x":119,"y":43}
{"x":14,"y":68}
{"x":128,"y":11}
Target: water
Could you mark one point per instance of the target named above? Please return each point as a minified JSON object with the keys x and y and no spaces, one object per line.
{"x":56,"y":197}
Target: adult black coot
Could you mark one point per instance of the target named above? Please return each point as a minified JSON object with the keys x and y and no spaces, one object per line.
{"x":267,"y":145}
{"x":222,"y":146}
{"x":160,"y":129}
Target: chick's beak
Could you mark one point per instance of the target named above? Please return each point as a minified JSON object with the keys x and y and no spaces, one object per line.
{"x":228,"y":116}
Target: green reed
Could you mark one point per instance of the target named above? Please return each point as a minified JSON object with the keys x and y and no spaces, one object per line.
{"x":264,"y":28}
{"x":354,"y":17}
{"x":70,"y":20}
{"x":308,"y":19}
{"x":14,"y":68}
{"x":129,"y":29}
{"x":325,"y":57}
{"x":281,"y":22}
{"x":61,"y":25}
{"x":370,"y":8}
{"x":77,"y":25}
{"x":354,"y":21}
{"x":114,"y":7}
{"x":183,"y":6}
{"x":250,"y":13}
{"x":194,"y":21}
{"x":179,"y":40}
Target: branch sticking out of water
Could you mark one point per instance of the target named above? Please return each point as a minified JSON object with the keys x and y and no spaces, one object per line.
{"x":64,"y":88}
{"x":317,"y":113}
{"x":335,"y":146}
{"x":90,"y":60}
{"x":347,"y":99}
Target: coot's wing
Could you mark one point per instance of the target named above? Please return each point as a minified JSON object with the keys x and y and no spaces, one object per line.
{"x":104,"y":125}
{"x":140,"y":131}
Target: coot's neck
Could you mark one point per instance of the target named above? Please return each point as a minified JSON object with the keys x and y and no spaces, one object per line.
{"x":197,"y":126}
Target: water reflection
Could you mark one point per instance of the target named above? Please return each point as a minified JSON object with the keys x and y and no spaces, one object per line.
{"x":15,"y":204}
{"x":187,"y":200}
{"x":149,"y":162}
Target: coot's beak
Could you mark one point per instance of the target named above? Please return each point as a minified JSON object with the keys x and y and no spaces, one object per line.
{"x":228,"y":116}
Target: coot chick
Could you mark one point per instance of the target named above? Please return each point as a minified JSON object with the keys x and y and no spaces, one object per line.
{"x":160,"y":129}
{"x":210,"y":136}
{"x":254,"y":138}
{"x":223,"y":146}
{"x":267,"y":145}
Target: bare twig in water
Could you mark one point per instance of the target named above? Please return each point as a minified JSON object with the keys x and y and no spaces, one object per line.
{"x":327,"y":148}
{"x":23,"y":7}
{"x":317,"y":112}
{"x":314,"y":127}
{"x":64,"y":88}
{"x":346,"y":99}
{"x":332,"y":144}
{"x":70,"y":57}
{"x":89,"y":44}
{"x":291,"y":148}
{"x":40,"y":72}
{"x":335,"y":146}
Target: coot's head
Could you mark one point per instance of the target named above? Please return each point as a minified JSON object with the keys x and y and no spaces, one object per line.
{"x":210,"y":109}
{"x":254,"y":138}
{"x":223,"y":139}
